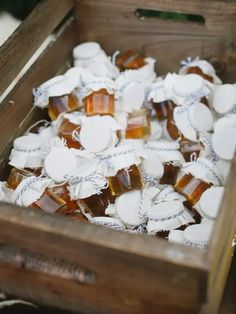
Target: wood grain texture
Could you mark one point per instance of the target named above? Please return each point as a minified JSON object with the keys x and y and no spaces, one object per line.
{"x":27,"y":38}
{"x":16,"y":111}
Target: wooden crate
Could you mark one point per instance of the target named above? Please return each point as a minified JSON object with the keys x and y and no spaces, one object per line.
{"x":86,"y":268}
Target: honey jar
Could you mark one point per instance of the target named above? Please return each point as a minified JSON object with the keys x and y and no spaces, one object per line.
{"x":89,"y":187}
{"x":121,"y":167}
{"x":16,"y":176}
{"x":197,"y":177}
{"x":161,"y":104}
{"x":138,"y":125}
{"x":169,"y":154}
{"x":190,"y":150}
{"x":129,"y":60}
{"x":98,"y":97}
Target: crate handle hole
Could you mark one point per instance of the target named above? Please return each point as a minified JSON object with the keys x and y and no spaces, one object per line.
{"x":168,"y":15}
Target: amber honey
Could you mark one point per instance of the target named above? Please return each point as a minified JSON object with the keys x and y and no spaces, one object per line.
{"x":60,"y":104}
{"x":125,"y":180}
{"x":172,"y":128}
{"x":67,"y":131}
{"x":16,"y":176}
{"x":163,"y":109}
{"x":99,"y":103}
{"x":170,"y":175}
{"x":138,"y":125}
{"x":129,"y":60}
{"x":56,"y":200}
{"x":190,"y":150}
{"x":97,"y":203}
{"x":191,"y":188}
{"x":197,"y":70}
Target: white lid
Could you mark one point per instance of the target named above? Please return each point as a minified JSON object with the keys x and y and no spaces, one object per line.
{"x":28,"y":142}
{"x":205,"y":170}
{"x":86,"y":180}
{"x":79,"y":76}
{"x":128,"y":208}
{"x":136,"y":144}
{"x":3,"y":196}
{"x":165,"y":210}
{"x":152,"y":165}
{"x":198,"y":235}
{"x":176,"y":236}
{"x":168,"y":194}
{"x":156,"y":131}
{"x":163,"y":145}
{"x":157,"y":92}
{"x":228,"y":121}
{"x":224,"y":98}
{"x":86,"y":50}
{"x":167,"y":151}
{"x":193,"y":119}
{"x":210,"y":201}
{"x":132,"y":96}
{"x":30,"y":190}
{"x":224,"y":143}
{"x":59,"y":163}
{"x":117,"y":158}
{"x":95,"y":134}
{"x":224,"y":167}
{"x":187,"y":85}
{"x":99,"y":83}
{"x":109,"y":222}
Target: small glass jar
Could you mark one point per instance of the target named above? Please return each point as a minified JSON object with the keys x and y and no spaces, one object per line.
{"x":96,"y":204}
{"x":198,"y":177}
{"x":16,"y":176}
{"x":171,"y":128}
{"x":169,"y":154}
{"x":68,"y":131}
{"x":64,"y":103}
{"x":163,"y":109}
{"x":129,"y":60}
{"x":99,"y":102}
{"x":190,"y":150}
{"x":56,"y":200}
{"x":121,"y":167}
{"x":138,"y":125}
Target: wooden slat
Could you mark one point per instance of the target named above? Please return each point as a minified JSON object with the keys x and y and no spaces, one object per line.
{"x":141,"y":272}
{"x":16,"y":111}
{"x":27,"y":38}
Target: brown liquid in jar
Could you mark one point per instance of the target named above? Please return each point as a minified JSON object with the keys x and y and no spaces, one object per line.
{"x":170,"y":174}
{"x":138,"y":125}
{"x":66,"y":131}
{"x":172,"y":129}
{"x":125,"y":180}
{"x":129,"y":60}
{"x":100,"y":102}
{"x":197,"y":70}
{"x":16,"y":176}
{"x":56,"y":200}
{"x":97,"y":203}
{"x":163,"y":109}
{"x":190,"y":149}
{"x":191,"y":188}
{"x":60,"y":104}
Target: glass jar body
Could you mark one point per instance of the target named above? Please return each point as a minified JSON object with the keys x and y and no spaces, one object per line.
{"x":60,"y":104}
{"x":138,"y":125}
{"x":99,"y":103}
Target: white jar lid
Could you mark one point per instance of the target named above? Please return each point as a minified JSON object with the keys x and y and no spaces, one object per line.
{"x":28,"y":142}
{"x":135,"y":144}
{"x":95,"y":134}
{"x":224,"y":167}
{"x":152,"y":165}
{"x":224,"y":98}
{"x":127,"y":206}
{"x":205,"y":170}
{"x":198,"y":235}
{"x":224,"y":143}
{"x":210,"y":201}
{"x":79,"y":76}
{"x":157,"y":92}
{"x":165,"y":210}
{"x":59,"y":163}
{"x":132,"y":96}
{"x":86,"y":50}
{"x":187,"y":85}
{"x":228,"y":121}
{"x":163,"y":145}
{"x":168,"y":194}
{"x":193,"y":119}
{"x":99,"y":83}
{"x":110,"y":222}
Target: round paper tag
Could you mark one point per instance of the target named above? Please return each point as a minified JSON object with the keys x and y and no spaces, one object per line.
{"x":201,"y":117}
{"x":198,"y":234}
{"x":187,"y":85}
{"x":210,"y":201}
{"x":165,"y":210}
{"x":59,"y":163}
{"x":28,"y":142}
{"x":224,"y":143}
{"x":224,"y":98}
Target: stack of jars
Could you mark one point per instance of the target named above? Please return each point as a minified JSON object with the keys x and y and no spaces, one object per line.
{"x":127,"y":149}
